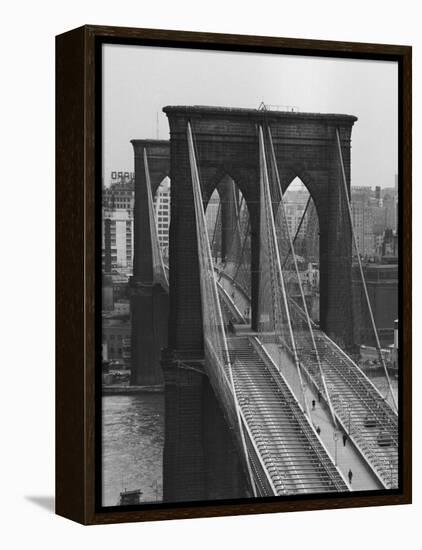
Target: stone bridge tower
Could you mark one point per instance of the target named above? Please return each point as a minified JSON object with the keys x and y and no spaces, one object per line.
{"x":200,"y":461}
{"x":148,"y":300}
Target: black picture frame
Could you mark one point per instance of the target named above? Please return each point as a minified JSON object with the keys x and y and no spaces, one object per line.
{"x":78,"y":225}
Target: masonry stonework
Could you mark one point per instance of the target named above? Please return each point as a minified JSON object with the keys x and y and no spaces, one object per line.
{"x":226,"y":143}
{"x":149,"y":300}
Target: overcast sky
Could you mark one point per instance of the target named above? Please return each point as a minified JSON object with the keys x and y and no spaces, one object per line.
{"x":138,"y":81}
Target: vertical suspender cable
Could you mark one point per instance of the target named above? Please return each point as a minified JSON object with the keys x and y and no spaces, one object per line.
{"x":349,"y":208}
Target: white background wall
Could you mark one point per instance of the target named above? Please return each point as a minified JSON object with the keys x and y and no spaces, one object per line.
{"x":27,"y":302}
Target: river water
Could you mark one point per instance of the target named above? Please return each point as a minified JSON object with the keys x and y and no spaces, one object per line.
{"x":133,"y":438}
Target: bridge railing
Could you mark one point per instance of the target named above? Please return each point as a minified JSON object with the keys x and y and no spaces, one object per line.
{"x":364,"y":404}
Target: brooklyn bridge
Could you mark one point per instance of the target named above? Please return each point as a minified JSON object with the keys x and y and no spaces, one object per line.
{"x":260,"y":394}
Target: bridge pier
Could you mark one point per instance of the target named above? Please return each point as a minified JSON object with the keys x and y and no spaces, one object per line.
{"x":336,"y":313}
{"x":200,"y":458}
{"x":149,"y":302}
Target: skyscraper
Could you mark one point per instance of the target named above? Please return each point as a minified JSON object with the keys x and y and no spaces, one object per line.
{"x":162,"y":214}
{"x":117,"y":240}
{"x":117,"y":222}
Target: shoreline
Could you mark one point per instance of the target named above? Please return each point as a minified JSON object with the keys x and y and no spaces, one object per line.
{"x":130,"y":390}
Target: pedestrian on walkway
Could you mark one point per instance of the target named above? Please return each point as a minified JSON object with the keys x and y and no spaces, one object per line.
{"x":319,"y":396}
{"x":350,"y":474}
{"x":318,"y":430}
{"x":344,"y":440}
{"x":313,"y":404}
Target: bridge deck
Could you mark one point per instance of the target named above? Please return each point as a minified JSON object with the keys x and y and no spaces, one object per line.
{"x":354,"y":400}
{"x":293,"y":455}
{"x":348,"y":457}
{"x":353,"y":396}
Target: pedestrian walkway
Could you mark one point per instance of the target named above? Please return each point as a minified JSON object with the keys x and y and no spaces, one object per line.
{"x":347,"y":457}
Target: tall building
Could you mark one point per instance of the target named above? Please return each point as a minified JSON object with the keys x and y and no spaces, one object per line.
{"x":162,"y":214}
{"x":117,"y":240}
{"x":294,"y":214}
{"x":373,"y":214}
{"x":363,"y":214}
{"x":120,"y":192}
{"x":117,"y":222}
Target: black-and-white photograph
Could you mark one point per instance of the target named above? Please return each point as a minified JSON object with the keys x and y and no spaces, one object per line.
{"x":250,"y":275}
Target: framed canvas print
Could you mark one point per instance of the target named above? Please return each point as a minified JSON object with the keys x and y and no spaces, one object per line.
{"x":233,"y":274}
